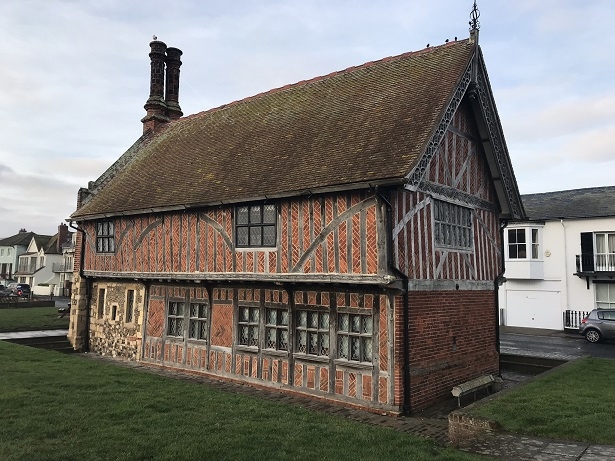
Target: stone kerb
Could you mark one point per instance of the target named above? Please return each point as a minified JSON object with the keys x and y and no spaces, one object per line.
{"x":463,"y":427}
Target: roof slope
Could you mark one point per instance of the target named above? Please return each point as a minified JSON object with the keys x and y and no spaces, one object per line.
{"x":366,"y":124}
{"x":22,"y":238}
{"x":594,"y":202}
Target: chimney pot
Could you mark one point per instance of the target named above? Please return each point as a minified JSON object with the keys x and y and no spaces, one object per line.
{"x":155,"y":106}
{"x":173,"y":63}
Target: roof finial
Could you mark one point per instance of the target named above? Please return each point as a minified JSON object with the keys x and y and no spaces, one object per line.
{"x":474,"y":15}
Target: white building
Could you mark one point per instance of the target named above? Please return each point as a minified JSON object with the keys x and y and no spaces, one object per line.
{"x":40,"y":265}
{"x":561,"y":263}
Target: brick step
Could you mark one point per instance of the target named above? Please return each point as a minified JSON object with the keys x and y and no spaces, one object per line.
{"x":56,"y":343}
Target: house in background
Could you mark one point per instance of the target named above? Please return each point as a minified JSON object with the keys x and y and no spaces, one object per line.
{"x":560,"y":264}
{"x":66,"y":267}
{"x":338,"y":237}
{"x":36,"y":264}
{"x":10,"y":250}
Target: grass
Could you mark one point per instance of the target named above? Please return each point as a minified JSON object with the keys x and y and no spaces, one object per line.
{"x":576,"y":402}
{"x":66,"y":407}
{"x":31,"y":318}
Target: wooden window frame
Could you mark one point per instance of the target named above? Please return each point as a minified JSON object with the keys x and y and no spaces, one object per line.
{"x":105,"y":236}
{"x":353,"y":334}
{"x":251,"y":222}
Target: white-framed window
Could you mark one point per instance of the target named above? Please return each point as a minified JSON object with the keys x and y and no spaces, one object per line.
{"x":605,"y":295}
{"x":312,"y":333}
{"x":523,"y":243}
{"x":452,"y":225}
{"x":354,"y":337}
{"x":605,"y":251}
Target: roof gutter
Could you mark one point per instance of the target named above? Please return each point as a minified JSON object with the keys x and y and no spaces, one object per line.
{"x":191,"y":206}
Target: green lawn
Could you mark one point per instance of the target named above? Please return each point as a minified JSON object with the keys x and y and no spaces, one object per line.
{"x":576,"y":402}
{"x":31,"y":318}
{"x":67,"y":407}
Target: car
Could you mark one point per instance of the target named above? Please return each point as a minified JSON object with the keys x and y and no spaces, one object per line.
{"x":19,"y":289}
{"x":599,"y":324}
{"x":3,"y":291}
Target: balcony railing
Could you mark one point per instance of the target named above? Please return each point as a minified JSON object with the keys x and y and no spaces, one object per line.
{"x":60,"y":267}
{"x":27,"y":268}
{"x":591,"y":262}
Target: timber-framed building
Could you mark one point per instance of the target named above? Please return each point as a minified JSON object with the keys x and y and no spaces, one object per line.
{"x":339,"y":237}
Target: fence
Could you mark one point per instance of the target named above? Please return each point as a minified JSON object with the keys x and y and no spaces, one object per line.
{"x":572,"y":319}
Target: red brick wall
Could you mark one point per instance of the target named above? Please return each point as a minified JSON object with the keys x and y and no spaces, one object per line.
{"x":452,"y":340}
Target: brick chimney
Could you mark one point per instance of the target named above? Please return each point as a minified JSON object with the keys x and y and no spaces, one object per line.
{"x":172,"y":83}
{"x":62,"y":236}
{"x":155,"y":106}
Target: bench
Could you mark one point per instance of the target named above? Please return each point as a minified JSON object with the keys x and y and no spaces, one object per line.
{"x":63,"y":311}
{"x":475,"y":385}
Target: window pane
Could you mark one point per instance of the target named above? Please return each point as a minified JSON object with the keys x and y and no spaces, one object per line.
{"x":367,"y":349}
{"x":254,"y":315}
{"x":283,"y":340}
{"x":269,"y":214}
{"x":242,"y":236}
{"x":255,"y":214}
{"x":313,"y":344}
{"x":302,"y":342}
{"x":242,"y":215}
{"x":324,"y":321}
{"x":243,"y":314}
{"x":343,"y":322}
{"x":343,"y":347}
{"x":324,"y":344}
{"x":302,"y":319}
{"x":367,"y":324}
{"x":272,"y":317}
{"x":269,"y":235}
{"x":356,"y":323}
{"x":255,"y":236}
{"x":284,"y":317}
{"x":355,"y":348}
{"x":243,"y":335}
{"x":313,"y":316}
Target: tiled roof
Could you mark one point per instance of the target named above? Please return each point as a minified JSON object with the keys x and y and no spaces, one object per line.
{"x":22,"y":238}
{"x":594,"y":202}
{"x":363,"y":125}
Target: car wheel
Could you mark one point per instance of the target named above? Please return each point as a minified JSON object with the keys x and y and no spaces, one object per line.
{"x":593,"y":336}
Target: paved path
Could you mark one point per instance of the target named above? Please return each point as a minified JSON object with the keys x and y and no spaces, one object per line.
{"x":432,"y":423}
{"x":32,"y":334}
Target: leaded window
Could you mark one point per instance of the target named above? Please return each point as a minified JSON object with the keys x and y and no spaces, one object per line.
{"x":130,"y":305}
{"x":312,"y":329}
{"x":175,"y":318}
{"x":248,"y":326}
{"x":105,"y":237}
{"x":276,"y":329}
{"x":452,"y":225}
{"x":255,"y":225}
{"x":354,"y":336}
{"x":198,"y":321}
{"x":101,"y":302}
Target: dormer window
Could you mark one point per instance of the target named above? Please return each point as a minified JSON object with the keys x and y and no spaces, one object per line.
{"x":105,"y":237}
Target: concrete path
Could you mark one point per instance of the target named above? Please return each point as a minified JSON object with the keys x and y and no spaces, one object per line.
{"x":32,"y":334}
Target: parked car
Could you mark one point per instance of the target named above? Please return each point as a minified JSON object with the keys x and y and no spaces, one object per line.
{"x":3,"y":291}
{"x":599,"y":324}
{"x":19,"y":289}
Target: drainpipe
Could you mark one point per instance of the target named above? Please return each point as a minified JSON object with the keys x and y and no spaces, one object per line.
{"x":565,"y":268}
{"x":88,"y":289}
{"x":496,"y":284}
{"x":405,"y":313}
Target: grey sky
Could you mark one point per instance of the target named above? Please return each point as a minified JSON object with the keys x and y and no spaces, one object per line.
{"x":75,"y":76}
